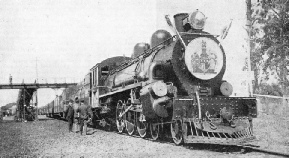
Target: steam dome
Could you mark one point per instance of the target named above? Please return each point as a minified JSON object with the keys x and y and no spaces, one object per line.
{"x":140,"y":48}
{"x":160,"y":36}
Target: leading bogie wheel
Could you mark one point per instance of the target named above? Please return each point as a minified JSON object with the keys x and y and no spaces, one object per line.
{"x":176,"y":132}
{"x":154,"y":129}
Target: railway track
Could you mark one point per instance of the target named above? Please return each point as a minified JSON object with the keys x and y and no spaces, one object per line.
{"x":246,"y":147}
{"x":267,"y":151}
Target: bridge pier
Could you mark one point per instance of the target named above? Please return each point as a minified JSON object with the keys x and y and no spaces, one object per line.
{"x":23,"y":105}
{"x":36,"y":105}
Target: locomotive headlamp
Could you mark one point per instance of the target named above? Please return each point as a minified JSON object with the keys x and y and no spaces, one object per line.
{"x":197,"y":20}
{"x":226,"y":89}
{"x":160,"y":88}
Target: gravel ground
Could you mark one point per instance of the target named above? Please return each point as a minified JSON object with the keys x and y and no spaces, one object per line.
{"x":50,"y":138}
{"x":272,"y":132}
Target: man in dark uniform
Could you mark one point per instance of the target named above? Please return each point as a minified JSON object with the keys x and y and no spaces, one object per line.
{"x":10,"y":79}
{"x":1,"y":116}
{"x":69,"y":113}
{"x":85,"y":112}
{"x":76,"y":117}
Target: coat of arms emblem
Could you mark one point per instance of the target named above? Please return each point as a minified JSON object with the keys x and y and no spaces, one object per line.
{"x":205,"y":62}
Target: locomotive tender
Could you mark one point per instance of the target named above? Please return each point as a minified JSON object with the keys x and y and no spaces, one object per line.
{"x":174,"y":86}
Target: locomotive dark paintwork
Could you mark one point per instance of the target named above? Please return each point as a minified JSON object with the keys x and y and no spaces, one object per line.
{"x":174,"y":88}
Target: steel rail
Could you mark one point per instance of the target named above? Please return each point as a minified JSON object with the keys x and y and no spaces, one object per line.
{"x":255,"y":148}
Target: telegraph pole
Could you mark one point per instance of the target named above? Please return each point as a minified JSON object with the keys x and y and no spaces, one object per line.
{"x":24,"y":105}
{"x":36,"y":71}
{"x":36,"y":96}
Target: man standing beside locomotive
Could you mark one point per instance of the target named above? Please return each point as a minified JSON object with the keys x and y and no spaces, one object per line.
{"x":69,"y":115}
{"x":84,"y":111}
{"x":76,"y":117}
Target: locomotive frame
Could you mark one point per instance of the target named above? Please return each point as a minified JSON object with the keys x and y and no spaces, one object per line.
{"x":157,"y":92}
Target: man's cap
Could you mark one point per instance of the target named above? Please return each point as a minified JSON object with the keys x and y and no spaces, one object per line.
{"x":76,"y":98}
{"x":82,"y":100}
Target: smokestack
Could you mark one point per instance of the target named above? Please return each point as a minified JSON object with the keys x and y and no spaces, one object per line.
{"x":179,"y":21}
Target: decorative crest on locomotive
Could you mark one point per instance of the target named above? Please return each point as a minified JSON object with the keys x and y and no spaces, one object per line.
{"x":172,"y":87}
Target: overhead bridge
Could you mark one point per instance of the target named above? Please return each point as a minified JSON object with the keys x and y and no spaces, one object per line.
{"x":25,"y":95}
{"x":35,"y":85}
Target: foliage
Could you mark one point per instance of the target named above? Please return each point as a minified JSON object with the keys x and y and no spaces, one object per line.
{"x":69,"y":92}
{"x":270,"y":34}
{"x":267,"y":89}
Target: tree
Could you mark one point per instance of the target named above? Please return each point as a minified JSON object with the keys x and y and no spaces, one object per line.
{"x":7,"y":106}
{"x":267,"y":89}
{"x":256,"y":60}
{"x":270,"y":33}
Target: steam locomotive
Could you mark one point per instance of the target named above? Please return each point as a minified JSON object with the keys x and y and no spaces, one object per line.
{"x":171,"y":87}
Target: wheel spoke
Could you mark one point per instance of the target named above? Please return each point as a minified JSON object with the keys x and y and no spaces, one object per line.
{"x":176,"y":132}
{"x":129,"y":127}
{"x":141,"y":128}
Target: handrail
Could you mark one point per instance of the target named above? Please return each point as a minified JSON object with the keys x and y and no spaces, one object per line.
{"x":139,"y":57}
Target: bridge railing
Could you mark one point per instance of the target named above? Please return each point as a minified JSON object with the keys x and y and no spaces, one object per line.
{"x":57,"y":80}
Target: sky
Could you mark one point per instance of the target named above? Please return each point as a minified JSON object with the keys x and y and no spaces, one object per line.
{"x":61,"y":40}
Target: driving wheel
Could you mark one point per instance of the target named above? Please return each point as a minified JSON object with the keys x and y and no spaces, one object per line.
{"x":129,"y":123}
{"x":142,"y":128}
{"x":120,"y":119}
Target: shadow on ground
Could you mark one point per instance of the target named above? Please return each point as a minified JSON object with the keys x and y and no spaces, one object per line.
{"x":217,"y":148}
{"x":44,"y":119}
